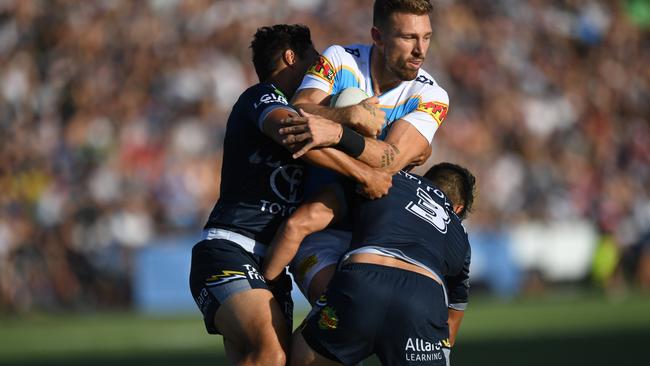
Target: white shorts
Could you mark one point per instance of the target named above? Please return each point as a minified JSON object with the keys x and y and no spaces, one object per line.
{"x":316,"y":252}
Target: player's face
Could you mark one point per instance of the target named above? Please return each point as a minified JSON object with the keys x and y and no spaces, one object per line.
{"x":300,"y":67}
{"x":405,"y":43}
{"x":303,"y":63}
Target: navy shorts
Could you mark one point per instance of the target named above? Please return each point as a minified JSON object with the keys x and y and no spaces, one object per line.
{"x":399,"y":315}
{"x":220,"y":269}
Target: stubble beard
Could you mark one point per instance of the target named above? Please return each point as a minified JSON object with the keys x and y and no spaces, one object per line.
{"x":403,"y":73}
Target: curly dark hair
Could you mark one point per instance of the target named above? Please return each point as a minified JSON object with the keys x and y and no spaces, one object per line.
{"x":270,"y":42}
{"x":384,"y":8}
{"x":457,"y":182}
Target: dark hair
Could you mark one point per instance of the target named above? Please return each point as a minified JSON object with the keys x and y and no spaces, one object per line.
{"x":384,"y":8}
{"x":269,"y":43}
{"x":457,"y":182}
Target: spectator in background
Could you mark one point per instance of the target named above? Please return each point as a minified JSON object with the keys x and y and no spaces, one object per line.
{"x":109,"y":111}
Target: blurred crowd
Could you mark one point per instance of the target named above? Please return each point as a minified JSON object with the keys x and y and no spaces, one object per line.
{"x":112,"y":117}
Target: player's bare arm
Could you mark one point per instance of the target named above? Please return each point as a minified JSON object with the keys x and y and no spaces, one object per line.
{"x":310,"y":217}
{"x":455,"y":317}
{"x":373,"y":183}
{"x":366,"y":117}
{"x":403,"y":146}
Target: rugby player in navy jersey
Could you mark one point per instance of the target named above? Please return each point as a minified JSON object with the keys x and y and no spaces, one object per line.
{"x":401,"y":289}
{"x":261,"y":185}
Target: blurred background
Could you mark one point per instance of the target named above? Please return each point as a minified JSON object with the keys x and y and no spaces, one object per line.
{"x":112,"y":118}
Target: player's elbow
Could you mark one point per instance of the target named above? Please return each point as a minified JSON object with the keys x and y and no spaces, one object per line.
{"x":305,"y":221}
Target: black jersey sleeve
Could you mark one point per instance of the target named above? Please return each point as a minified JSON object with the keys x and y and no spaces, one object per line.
{"x":263,"y":100}
{"x":458,"y":285}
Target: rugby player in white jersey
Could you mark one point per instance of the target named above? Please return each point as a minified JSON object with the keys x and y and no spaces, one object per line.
{"x":407,"y":100}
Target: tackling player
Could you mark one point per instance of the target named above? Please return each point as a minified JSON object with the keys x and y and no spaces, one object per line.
{"x":402,"y":287}
{"x":260,"y":186}
{"x":406,"y":100}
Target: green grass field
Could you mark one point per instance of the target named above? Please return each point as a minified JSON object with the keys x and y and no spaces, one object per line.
{"x":568,"y":330}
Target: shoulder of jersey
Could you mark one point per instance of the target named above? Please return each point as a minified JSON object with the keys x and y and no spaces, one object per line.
{"x":426,"y":80}
{"x":351,"y":52}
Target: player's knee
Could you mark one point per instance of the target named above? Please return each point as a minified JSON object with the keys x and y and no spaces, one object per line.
{"x":269,"y":356}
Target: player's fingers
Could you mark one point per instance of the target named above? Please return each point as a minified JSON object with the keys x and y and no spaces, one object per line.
{"x":303,"y":151}
{"x":303,"y":113}
{"x":371,"y":100}
{"x":303,"y":137}
{"x":295,"y":138}
{"x":293,"y":129}
{"x":293,"y":121}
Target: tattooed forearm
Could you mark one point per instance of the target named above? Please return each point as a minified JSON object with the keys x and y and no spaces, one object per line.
{"x":390,"y":152}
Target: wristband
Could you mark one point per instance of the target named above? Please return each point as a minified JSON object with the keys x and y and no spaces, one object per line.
{"x":351,"y":143}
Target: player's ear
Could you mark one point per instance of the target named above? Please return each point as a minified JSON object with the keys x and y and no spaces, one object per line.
{"x":375,"y":33}
{"x":458,"y":209}
{"x":289,"y":57}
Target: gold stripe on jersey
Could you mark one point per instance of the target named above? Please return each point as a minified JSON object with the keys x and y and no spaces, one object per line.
{"x":436,"y":110}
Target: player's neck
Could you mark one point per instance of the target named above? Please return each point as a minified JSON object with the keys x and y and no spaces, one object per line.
{"x":382,"y":78}
{"x":281,"y":83}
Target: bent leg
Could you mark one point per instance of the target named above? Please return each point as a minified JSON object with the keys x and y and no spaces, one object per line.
{"x":303,"y":355}
{"x":254,"y":328}
{"x":319,"y":283}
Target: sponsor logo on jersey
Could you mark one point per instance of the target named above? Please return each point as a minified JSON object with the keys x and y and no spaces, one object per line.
{"x":307,"y":264}
{"x":418,"y":349}
{"x":286,"y":183}
{"x":323,"y":69}
{"x":271,"y":98}
{"x":328,"y":319}
{"x":435,"y":109}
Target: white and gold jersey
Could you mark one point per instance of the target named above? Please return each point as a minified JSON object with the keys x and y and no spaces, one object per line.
{"x":421,"y":102}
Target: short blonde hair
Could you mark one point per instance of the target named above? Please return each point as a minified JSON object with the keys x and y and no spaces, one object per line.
{"x":384,"y":8}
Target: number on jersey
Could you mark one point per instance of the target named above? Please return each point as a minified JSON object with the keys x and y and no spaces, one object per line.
{"x":429,"y":210}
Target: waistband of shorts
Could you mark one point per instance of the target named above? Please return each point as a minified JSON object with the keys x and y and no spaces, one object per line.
{"x":250,"y":245}
{"x":383,"y":269}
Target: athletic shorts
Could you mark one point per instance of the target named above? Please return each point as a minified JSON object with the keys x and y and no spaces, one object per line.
{"x":317,"y":251}
{"x":399,"y":315}
{"x":220,"y":269}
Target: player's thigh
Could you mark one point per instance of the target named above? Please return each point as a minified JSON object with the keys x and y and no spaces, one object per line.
{"x":252,"y":319}
{"x":319,"y":283}
{"x":233,"y":296}
{"x":303,"y":355}
{"x":317,"y":251}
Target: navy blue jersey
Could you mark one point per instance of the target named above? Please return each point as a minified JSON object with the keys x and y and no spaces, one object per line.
{"x":416,"y":222}
{"x":261,"y":183}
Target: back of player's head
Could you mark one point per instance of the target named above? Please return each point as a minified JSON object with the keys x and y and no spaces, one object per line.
{"x":457,"y":182}
{"x":269,"y":44}
{"x":384,"y":8}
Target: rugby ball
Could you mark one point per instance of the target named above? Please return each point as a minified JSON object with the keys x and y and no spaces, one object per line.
{"x":347,"y":97}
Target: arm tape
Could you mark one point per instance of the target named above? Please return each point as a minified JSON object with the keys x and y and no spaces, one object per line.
{"x":351,"y":143}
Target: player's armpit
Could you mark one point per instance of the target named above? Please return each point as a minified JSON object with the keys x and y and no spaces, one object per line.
{"x":311,"y":216}
{"x":404,"y":146}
